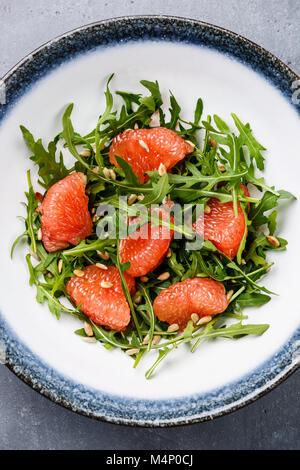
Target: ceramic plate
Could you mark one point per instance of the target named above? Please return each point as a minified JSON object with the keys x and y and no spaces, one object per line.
{"x":194,"y":60}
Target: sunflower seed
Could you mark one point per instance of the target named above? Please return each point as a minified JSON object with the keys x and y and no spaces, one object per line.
{"x":204,"y":320}
{"x":195,"y":318}
{"x":79,"y":273}
{"x":163,"y":276}
{"x":113,"y":175}
{"x":146,"y":339}
{"x":104,"y":256}
{"x":273,"y":241}
{"x":101,"y":266}
{"x":85,"y":153}
{"x":172,"y":328}
{"x":131,"y":352}
{"x":88,"y":329}
{"x":132,"y":198}
{"x":60,"y":266}
{"x":106,"y":173}
{"x":156,"y":339}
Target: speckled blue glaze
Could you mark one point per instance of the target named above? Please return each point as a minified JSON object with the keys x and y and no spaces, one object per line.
{"x":96,"y":404}
{"x":28,"y":366}
{"x":157,"y":28}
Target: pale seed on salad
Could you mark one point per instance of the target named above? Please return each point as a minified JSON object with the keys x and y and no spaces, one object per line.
{"x":104,"y":256}
{"x":113,"y":175}
{"x":273,"y":240}
{"x":132,"y":198}
{"x":60,"y":265}
{"x":172,"y":328}
{"x":106,"y":173}
{"x":85,"y":153}
{"x":163,"y":276}
{"x":146,"y":339}
{"x":156,"y":339}
{"x":131,"y":352}
{"x":204,"y":320}
{"x":101,"y":266}
{"x":39,"y":234}
{"x":88,"y":329}
{"x":79,"y":273}
{"x":195,"y":317}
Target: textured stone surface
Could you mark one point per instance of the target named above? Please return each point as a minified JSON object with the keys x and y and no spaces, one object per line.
{"x":26,"y":24}
{"x":30,"y":421}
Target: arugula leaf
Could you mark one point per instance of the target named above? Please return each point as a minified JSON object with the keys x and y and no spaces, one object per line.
{"x":174,"y":112}
{"x":253,"y":299}
{"x":247,"y":138}
{"x":50,"y":170}
{"x":153,"y":87}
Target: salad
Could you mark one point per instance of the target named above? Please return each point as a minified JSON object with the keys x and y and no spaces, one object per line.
{"x":158,"y":233}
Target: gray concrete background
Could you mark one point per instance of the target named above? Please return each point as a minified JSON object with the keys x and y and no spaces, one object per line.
{"x":30,"y":421}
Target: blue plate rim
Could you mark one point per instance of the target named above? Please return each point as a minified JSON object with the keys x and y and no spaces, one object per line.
{"x":18,"y":353}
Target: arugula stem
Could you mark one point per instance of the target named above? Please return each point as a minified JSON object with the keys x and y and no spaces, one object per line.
{"x":126,"y":292}
{"x":31,"y":208}
{"x":146,"y":296}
